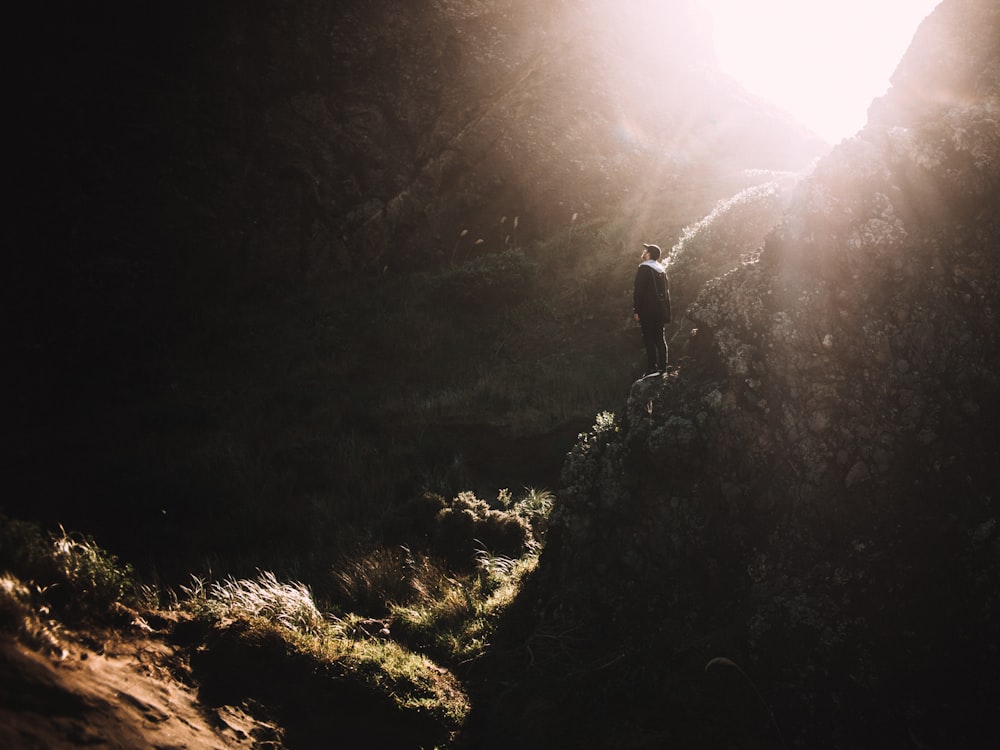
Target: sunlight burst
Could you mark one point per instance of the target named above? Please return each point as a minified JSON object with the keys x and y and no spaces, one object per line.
{"x":824,"y":62}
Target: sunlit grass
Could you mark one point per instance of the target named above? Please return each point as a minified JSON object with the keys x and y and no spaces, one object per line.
{"x":535,"y":504}
{"x":449,"y":606}
{"x":372,"y":581}
{"x":288,"y":611}
{"x":289,"y":605}
{"x":69,"y":573}
{"x":412,"y":680}
{"x":455,"y":622}
{"x":24,"y":614}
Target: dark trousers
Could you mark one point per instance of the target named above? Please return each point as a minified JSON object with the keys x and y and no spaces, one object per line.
{"x":655,"y":343}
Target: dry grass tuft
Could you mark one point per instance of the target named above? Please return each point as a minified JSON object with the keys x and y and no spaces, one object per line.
{"x":24,"y":615}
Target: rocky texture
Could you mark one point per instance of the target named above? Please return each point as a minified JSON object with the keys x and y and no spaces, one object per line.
{"x":731,"y":235}
{"x":812,"y":496}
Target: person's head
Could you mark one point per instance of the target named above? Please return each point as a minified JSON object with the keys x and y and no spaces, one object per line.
{"x":652,"y":251}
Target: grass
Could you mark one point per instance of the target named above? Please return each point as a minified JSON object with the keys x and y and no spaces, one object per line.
{"x":287,"y":611}
{"x":371,"y":581}
{"x":455,"y":620}
{"x":51,"y":578}
{"x":24,"y":614}
{"x":274,"y":425}
{"x":437,"y":616}
{"x":287,"y":426}
{"x":439,"y":601}
{"x":535,"y":505}
{"x":78,"y":577}
{"x":432,"y":612}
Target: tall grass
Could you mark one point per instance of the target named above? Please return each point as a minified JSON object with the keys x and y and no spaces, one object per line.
{"x":372,"y":581}
{"x":431,"y":612}
{"x":78,"y":577}
{"x":288,"y":611}
{"x":289,"y":605}
{"x":456,"y":617}
{"x":428,"y":606}
{"x":445,"y":602}
{"x":24,"y":614}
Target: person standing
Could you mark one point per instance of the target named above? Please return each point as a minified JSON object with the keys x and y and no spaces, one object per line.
{"x":651,"y":307}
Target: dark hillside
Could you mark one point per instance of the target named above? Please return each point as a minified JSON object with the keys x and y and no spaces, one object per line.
{"x":792,"y":540}
{"x":296,"y":289}
{"x":265,"y":251}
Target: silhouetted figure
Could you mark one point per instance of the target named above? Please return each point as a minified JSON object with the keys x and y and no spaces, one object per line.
{"x":651,"y":307}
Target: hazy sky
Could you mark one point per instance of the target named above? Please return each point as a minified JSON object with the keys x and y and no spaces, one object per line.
{"x":822,"y":60}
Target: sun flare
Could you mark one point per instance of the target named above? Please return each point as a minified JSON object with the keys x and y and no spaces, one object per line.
{"x":822,"y":61}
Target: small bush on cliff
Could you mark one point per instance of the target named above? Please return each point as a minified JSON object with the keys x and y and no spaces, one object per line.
{"x":454,"y":529}
{"x":466,"y":524}
{"x":534,"y":507}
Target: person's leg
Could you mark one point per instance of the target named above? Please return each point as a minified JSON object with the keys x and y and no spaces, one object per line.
{"x":661,"y":350}
{"x":650,"y":332}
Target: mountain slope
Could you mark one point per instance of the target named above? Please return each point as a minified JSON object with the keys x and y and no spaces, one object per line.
{"x":796,"y":533}
{"x":267,"y":250}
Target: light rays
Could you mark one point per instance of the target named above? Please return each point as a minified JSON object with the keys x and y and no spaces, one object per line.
{"x":823,"y":62}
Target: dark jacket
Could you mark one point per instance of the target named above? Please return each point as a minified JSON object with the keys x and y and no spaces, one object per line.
{"x":651,"y":293}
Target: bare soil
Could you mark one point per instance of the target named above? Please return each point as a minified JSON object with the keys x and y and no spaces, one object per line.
{"x":123,"y":688}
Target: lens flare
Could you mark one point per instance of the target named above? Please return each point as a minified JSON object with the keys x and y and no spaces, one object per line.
{"x":823,"y":62}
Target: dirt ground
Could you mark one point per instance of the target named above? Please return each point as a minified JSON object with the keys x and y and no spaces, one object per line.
{"x":128,"y":689}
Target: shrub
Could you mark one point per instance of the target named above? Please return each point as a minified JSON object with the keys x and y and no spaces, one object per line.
{"x":454,"y":624}
{"x":77,"y":576}
{"x":446,"y":599}
{"x":454,"y":529}
{"x":467,"y":523}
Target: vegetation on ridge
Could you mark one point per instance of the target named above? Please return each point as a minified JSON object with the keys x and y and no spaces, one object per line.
{"x":279,"y":335}
{"x":390,"y":619}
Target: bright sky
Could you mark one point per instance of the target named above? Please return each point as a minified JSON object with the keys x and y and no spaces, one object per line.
{"x":824,"y":61}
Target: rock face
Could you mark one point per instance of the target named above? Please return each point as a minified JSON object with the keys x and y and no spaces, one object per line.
{"x":796,"y":532}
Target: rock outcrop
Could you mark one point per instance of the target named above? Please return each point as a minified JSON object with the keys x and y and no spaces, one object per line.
{"x":793,"y":538}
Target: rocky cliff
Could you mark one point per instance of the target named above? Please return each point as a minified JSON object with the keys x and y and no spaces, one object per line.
{"x":792,"y":539}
